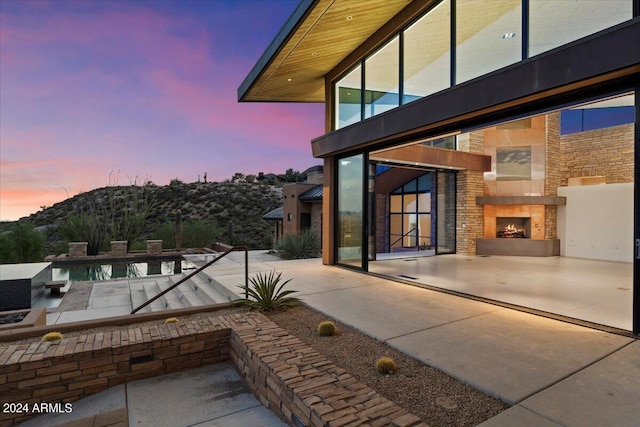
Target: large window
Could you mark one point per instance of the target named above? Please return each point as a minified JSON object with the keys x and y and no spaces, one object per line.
{"x":427,"y":54}
{"x":350,"y":210}
{"x":488,"y":36}
{"x":410,"y":215}
{"x":348,"y":98}
{"x":554,"y":23}
{"x":382,"y":90}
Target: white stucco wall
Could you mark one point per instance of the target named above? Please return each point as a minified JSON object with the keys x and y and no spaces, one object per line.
{"x":597,"y":222}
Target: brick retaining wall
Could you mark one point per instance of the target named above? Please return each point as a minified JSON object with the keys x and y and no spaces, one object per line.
{"x":289,"y":377}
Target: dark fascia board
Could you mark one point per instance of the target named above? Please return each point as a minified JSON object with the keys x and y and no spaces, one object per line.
{"x":283,"y":35}
{"x":538,"y":82}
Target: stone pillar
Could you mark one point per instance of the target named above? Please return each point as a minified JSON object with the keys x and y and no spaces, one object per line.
{"x":78,"y":249}
{"x":154,"y":247}
{"x":469,"y":227}
{"x":119,"y":248}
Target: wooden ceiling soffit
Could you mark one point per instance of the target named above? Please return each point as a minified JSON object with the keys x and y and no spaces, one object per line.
{"x":423,"y":155}
{"x":330,"y":31}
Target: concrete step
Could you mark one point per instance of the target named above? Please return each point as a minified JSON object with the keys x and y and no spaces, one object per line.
{"x":188,"y":291}
{"x":217,"y":292}
{"x":138,"y":297}
{"x":151,"y":289}
{"x":174,"y":298}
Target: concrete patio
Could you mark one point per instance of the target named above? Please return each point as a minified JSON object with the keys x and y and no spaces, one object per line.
{"x":554,"y":373}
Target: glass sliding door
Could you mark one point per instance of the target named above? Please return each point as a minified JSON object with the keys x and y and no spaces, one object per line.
{"x":350,"y":220}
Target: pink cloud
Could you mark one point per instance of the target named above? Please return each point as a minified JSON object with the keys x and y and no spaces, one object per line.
{"x":87,"y":91}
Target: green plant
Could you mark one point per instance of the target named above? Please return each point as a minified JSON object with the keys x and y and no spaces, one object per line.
{"x":178,"y":230}
{"x":326,"y":329}
{"x":299,"y":246}
{"x":266,"y":292}
{"x":386,"y":365}
{"x":52,"y":336}
{"x":22,"y":243}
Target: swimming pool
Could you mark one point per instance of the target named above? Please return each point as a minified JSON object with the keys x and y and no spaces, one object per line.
{"x":118,"y":270}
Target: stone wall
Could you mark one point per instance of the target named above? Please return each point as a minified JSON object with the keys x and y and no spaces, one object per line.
{"x":78,"y":249}
{"x":469,"y":226}
{"x":607,"y":152}
{"x":154,"y":247}
{"x":119,"y":248}
{"x":288,"y":377}
{"x":303,"y":387}
{"x":382,"y":223}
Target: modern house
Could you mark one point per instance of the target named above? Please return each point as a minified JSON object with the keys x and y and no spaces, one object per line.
{"x":469,"y":127}
{"x":301,"y":208}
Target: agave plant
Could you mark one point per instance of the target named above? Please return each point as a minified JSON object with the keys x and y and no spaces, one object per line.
{"x":266,"y":293}
{"x":299,"y":246}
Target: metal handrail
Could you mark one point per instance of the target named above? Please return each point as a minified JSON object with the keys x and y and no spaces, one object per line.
{"x":403,"y":236}
{"x":190,"y":275}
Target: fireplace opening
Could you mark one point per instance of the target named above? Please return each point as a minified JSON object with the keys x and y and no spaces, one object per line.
{"x":513,"y":228}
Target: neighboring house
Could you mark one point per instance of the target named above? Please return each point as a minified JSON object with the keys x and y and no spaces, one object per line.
{"x":468,"y":126}
{"x":302,"y":206}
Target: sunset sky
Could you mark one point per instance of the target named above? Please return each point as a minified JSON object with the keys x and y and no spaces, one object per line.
{"x":143,"y":90}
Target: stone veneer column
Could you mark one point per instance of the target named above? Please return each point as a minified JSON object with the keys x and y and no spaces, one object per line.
{"x":469,"y":225}
{"x":470,"y":217}
{"x":382,"y":220}
{"x":554,"y":161}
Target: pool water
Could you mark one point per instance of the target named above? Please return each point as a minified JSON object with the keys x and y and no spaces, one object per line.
{"x":118,"y":270}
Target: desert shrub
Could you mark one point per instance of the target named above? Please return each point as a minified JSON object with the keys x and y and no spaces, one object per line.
{"x":266,"y":293}
{"x":326,"y":329}
{"x":196,"y":234}
{"x":52,"y":336}
{"x":299,"y":246}
{"x":22,"y":243}
{"x":386,"y":365}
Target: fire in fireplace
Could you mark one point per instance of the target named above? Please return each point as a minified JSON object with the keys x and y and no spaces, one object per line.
{"x":513,"y":228}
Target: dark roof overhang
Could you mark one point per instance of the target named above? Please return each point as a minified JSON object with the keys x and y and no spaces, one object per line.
{"x":274,"y":215}
{"x":318,"y":35}
{"x":313,"y":194}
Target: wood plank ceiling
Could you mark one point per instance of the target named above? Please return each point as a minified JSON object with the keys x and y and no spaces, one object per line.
{"x":330,"y":31}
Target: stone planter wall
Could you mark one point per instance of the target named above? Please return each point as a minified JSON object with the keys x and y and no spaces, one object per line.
{"x":119,"y":248}
{"x":78,"y":249}
{"x":154,"y":247}
{"x":288,"y":377}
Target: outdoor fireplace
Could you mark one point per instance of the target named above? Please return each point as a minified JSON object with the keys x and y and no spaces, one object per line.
{"x":513,"y":228}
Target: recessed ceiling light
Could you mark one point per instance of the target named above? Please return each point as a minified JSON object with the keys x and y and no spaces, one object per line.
{"x":349,"y":17}
{"x":289,"y":79}
{"x":508,"y":35}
